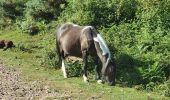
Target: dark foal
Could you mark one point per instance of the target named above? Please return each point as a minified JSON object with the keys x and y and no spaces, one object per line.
{"x":6,"y":44}
{"x":2,"y":44}
{"x":81,"y":41}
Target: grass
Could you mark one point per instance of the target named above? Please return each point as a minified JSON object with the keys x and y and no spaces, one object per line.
{"x":28,"y":55}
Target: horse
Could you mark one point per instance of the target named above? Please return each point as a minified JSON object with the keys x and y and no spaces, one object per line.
{"x":82,"y":41}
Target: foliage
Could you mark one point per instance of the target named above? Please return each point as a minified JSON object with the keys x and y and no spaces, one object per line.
{"x":50,"y":58}
{"x":74,"y":69}
{"x":40,"y":9}
{"x":99,"y":13}
{"x":29,"y":14}
{"x":10,"y":10}
{"x":163,"y":89}
{"x":32,"y":27}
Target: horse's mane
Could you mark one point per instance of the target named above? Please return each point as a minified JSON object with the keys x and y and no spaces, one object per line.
{"x":102,"y":45}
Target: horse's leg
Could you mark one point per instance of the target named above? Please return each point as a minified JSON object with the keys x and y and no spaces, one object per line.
{"x":63,"y":66}
{"x":84,"y":54}
{"x":97,"y":70}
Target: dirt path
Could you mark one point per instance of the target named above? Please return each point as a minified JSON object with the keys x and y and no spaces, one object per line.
{"x":13,"y":87}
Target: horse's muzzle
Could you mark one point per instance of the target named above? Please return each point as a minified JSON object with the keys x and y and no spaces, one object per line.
{"x":109,"y":81}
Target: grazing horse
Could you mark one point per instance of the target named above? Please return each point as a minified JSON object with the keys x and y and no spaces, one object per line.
{"x":81,"y":41}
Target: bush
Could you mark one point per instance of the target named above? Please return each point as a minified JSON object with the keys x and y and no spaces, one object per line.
{"x":43,"y":9}
{"x":99,"y":13}
{"x":50,"y":58}
{"x":163,"y":89}
{"x":74,"y":69}
{"x":37,"y":14}
{"x":32,"y":27}
{"x":10,"y":10}
{"x":29,"y":27}
{"x":141,"y":53}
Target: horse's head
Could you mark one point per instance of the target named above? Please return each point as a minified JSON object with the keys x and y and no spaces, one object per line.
{"x":109,"y":71}
{"x":109,"y":67}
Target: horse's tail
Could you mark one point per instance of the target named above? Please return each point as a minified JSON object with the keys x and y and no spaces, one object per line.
{"x":58,"y":48}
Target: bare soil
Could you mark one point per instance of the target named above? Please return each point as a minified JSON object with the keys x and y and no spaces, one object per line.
{"x":13,"y":87}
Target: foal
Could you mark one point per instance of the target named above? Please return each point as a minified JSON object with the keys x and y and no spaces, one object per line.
{"x":81,"y":41}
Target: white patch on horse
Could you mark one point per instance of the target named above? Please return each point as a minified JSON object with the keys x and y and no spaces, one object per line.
{"x":103,"y":45}
{"x":85,"y":78}
{"x":99,"y":81}
{"x":64,"y":69}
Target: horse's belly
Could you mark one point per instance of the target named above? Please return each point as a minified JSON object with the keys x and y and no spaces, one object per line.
{"x":72,"y":50}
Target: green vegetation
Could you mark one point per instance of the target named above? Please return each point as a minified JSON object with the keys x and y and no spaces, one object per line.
{"x":27,"y":57}
{"x":137,"y":32}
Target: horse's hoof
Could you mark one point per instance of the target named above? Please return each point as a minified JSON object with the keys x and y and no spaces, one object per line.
{"x":85,"y":79}
{"x":99,"y":81}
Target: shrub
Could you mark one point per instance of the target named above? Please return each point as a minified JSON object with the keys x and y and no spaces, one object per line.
{"x":74,"y":69}
{"x":50,"y":58}
{"x":99,"y":13}
{"x":163,"y":89}
{"x":43,"y":9}
{"x":141,"y":53}
{"x":37,"y":14}
{"x":10,"y":10}
{"x":31,"y":27}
